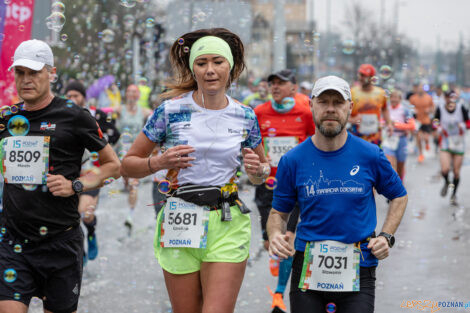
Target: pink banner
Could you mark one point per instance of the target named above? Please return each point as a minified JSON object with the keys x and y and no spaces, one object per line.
{"x":16,"y":20}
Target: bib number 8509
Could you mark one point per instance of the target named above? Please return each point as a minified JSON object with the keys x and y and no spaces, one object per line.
{"x":185,"y":219}
{"x":26,"y":156}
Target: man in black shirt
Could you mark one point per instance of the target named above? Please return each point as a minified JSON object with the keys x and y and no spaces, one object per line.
{"x":43,"y":140}
{"x":88,"y":200}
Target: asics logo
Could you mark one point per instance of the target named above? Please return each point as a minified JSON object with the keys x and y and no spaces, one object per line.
{"x":354,"y":170}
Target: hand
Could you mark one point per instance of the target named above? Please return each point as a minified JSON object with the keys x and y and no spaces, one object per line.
{"x":280,"y":246}
{"x":251,"y":161}
{"x":59,"y":186}
{"x":379,"y":247}
{"x":175,"y":157}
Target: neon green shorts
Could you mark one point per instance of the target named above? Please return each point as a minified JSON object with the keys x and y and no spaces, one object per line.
{"x":227,"y":242}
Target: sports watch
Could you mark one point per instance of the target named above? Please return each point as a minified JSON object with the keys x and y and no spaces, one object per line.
{"x":77,"y":186}
{"x":390,"y":238}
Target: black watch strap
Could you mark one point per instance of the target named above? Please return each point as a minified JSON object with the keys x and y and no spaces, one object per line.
{"x":390,"y":238}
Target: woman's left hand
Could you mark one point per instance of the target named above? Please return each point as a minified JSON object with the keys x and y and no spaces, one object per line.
{"x":251,"y":161}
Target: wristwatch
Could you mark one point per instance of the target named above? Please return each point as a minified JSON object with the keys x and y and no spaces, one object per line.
{"x":390,"y":238}
{"x":77,"y":186}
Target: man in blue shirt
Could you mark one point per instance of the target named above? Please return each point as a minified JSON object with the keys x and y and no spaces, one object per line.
{"x":332,"y":177}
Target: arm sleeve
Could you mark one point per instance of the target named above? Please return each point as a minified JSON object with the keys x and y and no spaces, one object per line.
{"x":437,"y":115}
{"x":387,"y":181}
{"x":284,"y":198}
{"x":89,"y":132}
{"x":253,"y":138}
{"x":155,"y":128}
{"x":465,"y":113}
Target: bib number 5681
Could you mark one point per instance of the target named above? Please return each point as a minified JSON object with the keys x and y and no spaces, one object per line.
{"x":179,"y":218}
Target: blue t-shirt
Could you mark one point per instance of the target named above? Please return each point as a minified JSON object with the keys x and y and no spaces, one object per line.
{"x":335,"y":191}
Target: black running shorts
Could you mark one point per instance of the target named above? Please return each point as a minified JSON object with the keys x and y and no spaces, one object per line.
{"x":51,"y":271}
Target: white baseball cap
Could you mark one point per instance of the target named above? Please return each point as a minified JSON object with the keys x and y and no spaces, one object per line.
{"x":33,"y":54}
{"x":331,"y":83}
{"x":305,"y":85}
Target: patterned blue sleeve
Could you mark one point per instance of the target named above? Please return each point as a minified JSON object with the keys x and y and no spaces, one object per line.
{"x":253,"y":138}
{"x":155,"y":128}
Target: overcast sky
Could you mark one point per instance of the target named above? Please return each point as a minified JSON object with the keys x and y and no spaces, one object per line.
{"x":421,"y":20}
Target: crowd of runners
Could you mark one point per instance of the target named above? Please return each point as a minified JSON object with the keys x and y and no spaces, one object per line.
{"x":319,"y":154}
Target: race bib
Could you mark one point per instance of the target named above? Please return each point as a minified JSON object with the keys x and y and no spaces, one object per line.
{"x":369,"y":124}
{"x":25,"y":159}
{"x":184,"y":224}
{"x":330,"y":266}
{"x":456,"y":143}
{"x":391,"y":142}
{"x":276,"y":147}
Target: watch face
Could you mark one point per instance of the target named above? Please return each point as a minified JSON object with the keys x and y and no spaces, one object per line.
{"x":392,"y":241}
{"x":77,"y":186}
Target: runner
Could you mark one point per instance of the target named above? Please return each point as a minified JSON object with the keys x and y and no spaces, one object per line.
{"x":260,"y":96}
{"x":370,"y":105}
{"x":395,"y":146}
{"x":424,"y":108}
{"x":284,"y":123}
{"x":332,"y":177}
{"x":453,"y":118}
{"x":130,"y":122}
{"x":203,"y":131}
{"x":88,"y":200}
{"x":305,"y":88}
{"x":40,"y":221}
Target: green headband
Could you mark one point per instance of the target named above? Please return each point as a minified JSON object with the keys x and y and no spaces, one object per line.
{"x":210,"y":45}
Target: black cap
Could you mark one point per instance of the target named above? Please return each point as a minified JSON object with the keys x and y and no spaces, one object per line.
{"x":285,"y":75}
{"x":77,"y":86}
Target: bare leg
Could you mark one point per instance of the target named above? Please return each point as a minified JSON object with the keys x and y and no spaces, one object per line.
{"x":184,"y":291}
{"x":221,"y":283}
{"x":10,"y":306}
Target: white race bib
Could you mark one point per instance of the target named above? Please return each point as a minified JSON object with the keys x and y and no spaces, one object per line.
{"x":276,"y":147}
{"x":330,"y":266}
{"x":184,"y":224}
{"x":456,"y":143}
{"x":25,"y":159}
{"x":369,"y":124}
{"x":391,"y":142}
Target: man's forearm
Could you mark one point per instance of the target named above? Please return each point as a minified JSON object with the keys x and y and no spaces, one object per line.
{"x":395,"y":214}
{"x":277,"y":223}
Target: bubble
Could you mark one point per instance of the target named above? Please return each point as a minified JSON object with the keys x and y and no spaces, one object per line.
{"x":349,"y":46}
{"x":150,"y":22}
{"x":76,"y":57}
{"x":2,"y":36}
{"x":58,"y":7}
{"x":44,"y":188}
{"x":164,"y":186}
{"x":3,"y":230}
{"x":43,"y":230}
{"x":271,"y":183}
{"x":331,"y":307}
{"x":380,"y":285}
{"x":374,"y":80}
{"x":18,"y":125}
{"x":16,"y":296}
{"x":21,"y":28}
{"x":385,"y":72}
{"x":64,"y":37}
{"x":272,"y":132}
{"x":7,"y":2}
{"x":128,"y":20}
{"x":94,"y":156}
{"x":435,"y":123}
{"x":69,"y":103}
{"x":126,"y":138}
{"x":9,"y":275}
{"x":108,"y":181}
{"x":128,"y":3}
{"x":108,"y":35}
{"x":307,"y":42}
{"x":316,"y":36}
{"x":17,"y":248}
{"x":14,"y":109}
{"x":109,"y":119}
{"x":186,"y":49}
{"x":122,"y":154}
{"x":2,"y":127}
{"x":29,"y":187}
{"x":128,"y":54}
{"x":55,"y":21}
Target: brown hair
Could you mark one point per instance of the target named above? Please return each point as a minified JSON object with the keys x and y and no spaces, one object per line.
{"x":183,"y":80}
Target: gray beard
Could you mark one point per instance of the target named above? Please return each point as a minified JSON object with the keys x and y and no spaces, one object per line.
{"x":331,"y":133}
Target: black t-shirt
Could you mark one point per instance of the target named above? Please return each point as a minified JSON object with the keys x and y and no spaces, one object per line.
{"x":110,"y":131}
{"x":36,"y":215}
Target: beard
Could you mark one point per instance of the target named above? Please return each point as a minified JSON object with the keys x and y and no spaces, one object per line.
{"x":331,"y":132}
